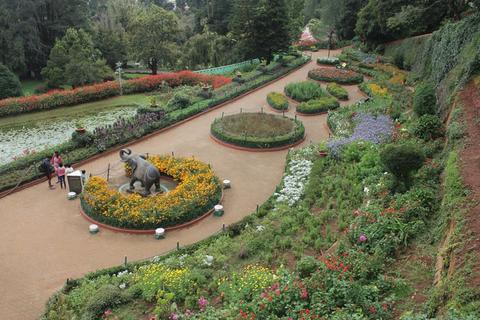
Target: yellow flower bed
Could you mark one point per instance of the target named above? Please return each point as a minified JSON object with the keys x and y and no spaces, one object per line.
{"x":377,"y":90}
{"x":197,"y":192}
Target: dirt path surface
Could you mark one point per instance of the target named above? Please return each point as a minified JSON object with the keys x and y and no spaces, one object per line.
{"x":45,"y":240}
{"x":470,"y":160}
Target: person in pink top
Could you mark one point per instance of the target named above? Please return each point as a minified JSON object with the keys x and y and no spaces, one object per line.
{"x":61,"y":175}
{"x":55,"y":161}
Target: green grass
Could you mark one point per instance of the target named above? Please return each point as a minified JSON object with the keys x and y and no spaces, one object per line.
{"x":78,"y":111}
{"x":135,"y":75}
{"x":28,"y":86}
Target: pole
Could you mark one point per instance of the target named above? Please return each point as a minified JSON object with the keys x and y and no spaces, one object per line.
{"x":178,"y":245}
{"x":108,"y":172}
{"x":125,"y":261}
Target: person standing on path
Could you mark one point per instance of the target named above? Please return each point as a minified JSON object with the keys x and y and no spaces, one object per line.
{"x":61,"y":175}
{"x":47,"y":168}
{"x":55,"y":161}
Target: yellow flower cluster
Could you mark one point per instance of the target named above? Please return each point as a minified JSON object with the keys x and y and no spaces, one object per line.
{"x":252,"y":278}
{"x":377,"y":90}
{"x":153,"y":277}
{"x":198,"y":187}
{"x":398,"y":76}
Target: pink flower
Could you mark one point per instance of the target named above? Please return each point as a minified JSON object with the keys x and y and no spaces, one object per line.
{"x":202,"y":303}
{"x":304,"y":294}
{"x":173,"y":316}
{"x":362,"y":238}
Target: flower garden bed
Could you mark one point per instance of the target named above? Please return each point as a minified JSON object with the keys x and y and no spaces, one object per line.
{"x":342,"y":76}
{"x":277,"y":101}
{"x":318,"y":106}
{"x":337,"y":91}
{"x":24,"y":169}
{"x":60,"y":98}
{"x":258,"y":130}
{"x":198,"y":191}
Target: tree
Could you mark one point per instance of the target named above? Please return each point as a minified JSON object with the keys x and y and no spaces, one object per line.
{"x":262,"y":29}
{"x":296,"y":18}
{"x":74,"y":61}
{"x":112,"y":45}
{"x":401,"y":160}
{"x":152,"y":35}
{"x":9,"y":84}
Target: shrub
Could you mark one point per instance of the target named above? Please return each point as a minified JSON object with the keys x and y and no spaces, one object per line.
{"x":342,"y":76}
{"x":424,"y":101}
{"x":82,"y":139}
{"x":304,"y":91}
{"x":318,"y":105}
{"x":306,"y":266}
{"x":428,"y":127}
{"x":337,"y":91}
{"x":9,"y":84}
{"x":106,"y":297}
{"x":277,"y":101}
{"x":401,"y":160}
{"x":328,"y":60}
{"x":179,"y":100}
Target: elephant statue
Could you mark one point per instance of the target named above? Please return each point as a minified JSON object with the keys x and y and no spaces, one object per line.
{"x":142,"y":171}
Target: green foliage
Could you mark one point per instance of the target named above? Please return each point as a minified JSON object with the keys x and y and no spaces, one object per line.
{"x":401,"y":160}
{"x":9,"y":84}
{"x":74,"y":61}
{"x":306,"y":266}
{"x":82,"y":139}
{"x":319,"y":105}
{"x":106,"y":297}
{"x":112,"y":44}
{"x":277,"y":101}
{"x":424,"y":101}
{"x":152,"y":35}
{"x":428,"y":127}
{"x":304,"y":91}
{"x":272,"y":17}
{"x":337,"y":91}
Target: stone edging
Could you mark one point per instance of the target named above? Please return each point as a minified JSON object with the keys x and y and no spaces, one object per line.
{"x":152,"y":231}
{"x":172,"y":126}
{"x":233,"y":146}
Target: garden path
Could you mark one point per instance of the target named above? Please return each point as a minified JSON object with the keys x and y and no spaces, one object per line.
{"x":45,"y":240}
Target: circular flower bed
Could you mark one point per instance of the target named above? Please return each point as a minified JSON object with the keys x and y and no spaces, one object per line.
{"x":277,"y":101}
{"x":320,"y":105}
{"x":198,"y":191}
{"x":258,"y":130}
{"x":342,"y":76}
{"x":304,"y":90}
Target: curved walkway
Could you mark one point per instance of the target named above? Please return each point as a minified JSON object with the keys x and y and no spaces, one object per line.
{"x":44,"y":239}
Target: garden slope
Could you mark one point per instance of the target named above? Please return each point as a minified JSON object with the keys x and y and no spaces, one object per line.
{"x":470,"y":158}
{"x":45,"y":240}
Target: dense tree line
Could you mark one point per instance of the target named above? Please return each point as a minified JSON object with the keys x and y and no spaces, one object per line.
{"x":74,"y":42}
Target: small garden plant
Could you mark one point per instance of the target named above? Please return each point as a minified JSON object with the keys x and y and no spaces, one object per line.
{"x":341,"y":76}
{"x":337,"y":91}
{"x":320,"y":105}
{"x":277,"y":101}
{"x":304,"y":91}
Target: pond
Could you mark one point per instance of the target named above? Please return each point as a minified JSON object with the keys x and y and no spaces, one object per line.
{"x":22,"y":134}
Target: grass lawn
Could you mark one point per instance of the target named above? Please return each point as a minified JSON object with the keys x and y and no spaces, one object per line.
{"x":74,"y":112}
{"x":28,"y":86}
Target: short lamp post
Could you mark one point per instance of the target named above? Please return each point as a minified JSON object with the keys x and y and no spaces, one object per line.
{"x":119,"y":72}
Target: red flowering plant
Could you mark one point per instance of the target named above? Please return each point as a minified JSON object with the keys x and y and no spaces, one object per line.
{"x":341,"y":76}
{"x":58,"y":98}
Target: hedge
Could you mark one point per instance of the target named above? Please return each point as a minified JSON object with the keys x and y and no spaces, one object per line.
{"x":61,"y":98}
{"x":342,"y":76}
{"x":318,"y":105}
{"x":277,"y":101}
{"x":332,"y":61}
{"x":256,"y":142}
{"x":337,"y":91}
{"x":13,"y":172}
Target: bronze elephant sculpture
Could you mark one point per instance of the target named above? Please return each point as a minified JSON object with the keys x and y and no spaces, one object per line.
{"x":142,"y":171}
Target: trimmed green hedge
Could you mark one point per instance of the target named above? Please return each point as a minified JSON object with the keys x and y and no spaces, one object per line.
{"x":304,"y":91}
{"x":277,"y":101}
{"x":331,"y":61}
{"x":295,"y":135}
{"x":321,"y":105}
{"x":341,"y":76}
{"x":337,"y":91}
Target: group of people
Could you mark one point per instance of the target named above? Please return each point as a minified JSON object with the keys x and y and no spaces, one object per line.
{"x":55,"y":165}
